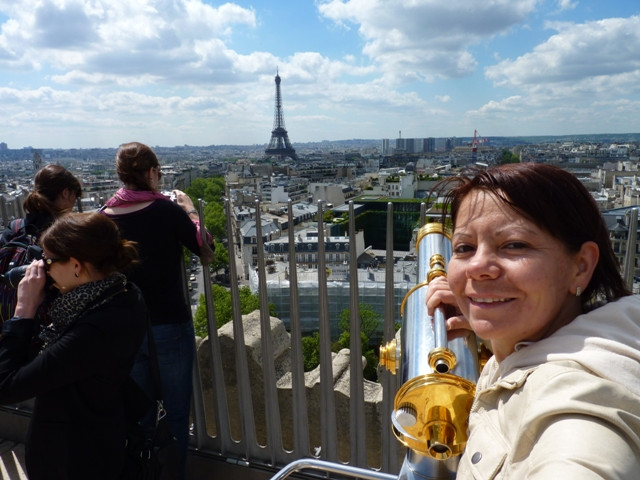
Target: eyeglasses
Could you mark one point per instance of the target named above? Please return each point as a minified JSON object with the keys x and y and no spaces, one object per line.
{"x":48,"y":262}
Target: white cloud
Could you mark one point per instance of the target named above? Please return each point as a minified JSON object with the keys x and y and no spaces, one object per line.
{"x":567,"y":4}
{"x":178,"y":70}
{"x":122,"y":37}
{"x":576,"y":54}
{"x":584,"y":72}
{"x":427,"y":39}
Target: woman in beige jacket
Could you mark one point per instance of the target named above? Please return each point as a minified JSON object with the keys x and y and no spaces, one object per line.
{"x":534,"y":275}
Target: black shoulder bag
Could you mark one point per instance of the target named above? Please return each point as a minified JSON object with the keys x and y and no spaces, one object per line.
{"x":152,"y":455}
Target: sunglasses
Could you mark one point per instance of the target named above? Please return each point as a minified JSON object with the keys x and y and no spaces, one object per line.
{"x":48,"y":262}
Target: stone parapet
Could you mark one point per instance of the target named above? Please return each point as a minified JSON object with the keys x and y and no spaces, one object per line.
{"x":281,"y":345}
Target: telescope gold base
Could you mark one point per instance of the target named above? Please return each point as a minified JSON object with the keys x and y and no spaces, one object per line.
{"x":431,"y":414}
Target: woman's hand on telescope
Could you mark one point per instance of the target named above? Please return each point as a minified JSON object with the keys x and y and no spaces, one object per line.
{"x":439,"y":295}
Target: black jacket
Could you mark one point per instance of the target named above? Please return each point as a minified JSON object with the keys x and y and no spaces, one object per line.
{"x":33,"y":223}
{"x":77,"y":430}
{"x":160,"y":230}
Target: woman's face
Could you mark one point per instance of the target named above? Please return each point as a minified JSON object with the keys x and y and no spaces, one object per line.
{"x":513,"y":281}
{"x":62,"y":272}
{"x":155,"y":178}
{"x":65,"y":200}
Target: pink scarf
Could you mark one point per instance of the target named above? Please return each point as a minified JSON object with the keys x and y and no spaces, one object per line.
{"x":125,"y":197}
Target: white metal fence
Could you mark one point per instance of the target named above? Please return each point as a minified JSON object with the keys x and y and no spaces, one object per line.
{"x":248,"y":448}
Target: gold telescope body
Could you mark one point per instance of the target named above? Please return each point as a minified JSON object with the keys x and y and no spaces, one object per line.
{"x":431,"y":408}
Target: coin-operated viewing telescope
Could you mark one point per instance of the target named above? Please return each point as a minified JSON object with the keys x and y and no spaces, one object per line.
{"x":431,"y":408}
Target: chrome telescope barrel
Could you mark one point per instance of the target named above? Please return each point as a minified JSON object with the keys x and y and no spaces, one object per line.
{"x":431,"y":408}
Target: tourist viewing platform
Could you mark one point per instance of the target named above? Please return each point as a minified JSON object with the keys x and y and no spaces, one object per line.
{"x":256,"y":409}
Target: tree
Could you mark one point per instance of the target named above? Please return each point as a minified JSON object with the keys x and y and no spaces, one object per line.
{"x":370,"y":324}
{"x":221,"y":257}
{"x":215,"y":219}
{"x":211,"y":190}
{"x":249,"y":302}
{"x":507,"y":156}
{"x":370,"y":320}
{"x":311,"y":351}
{"x":327,"y":216}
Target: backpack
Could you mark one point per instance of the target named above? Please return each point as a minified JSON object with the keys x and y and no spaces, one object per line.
{"x":19,"y":251}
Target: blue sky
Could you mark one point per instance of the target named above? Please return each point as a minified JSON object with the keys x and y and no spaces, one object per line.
{"x":98,"y":73}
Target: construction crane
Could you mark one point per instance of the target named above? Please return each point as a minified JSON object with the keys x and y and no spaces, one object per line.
{"x":477,"y":139}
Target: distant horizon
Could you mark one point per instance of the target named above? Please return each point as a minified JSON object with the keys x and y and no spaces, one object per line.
{"x":294,"y":143}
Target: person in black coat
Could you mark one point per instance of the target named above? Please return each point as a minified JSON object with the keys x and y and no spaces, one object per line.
{"x":80,"y":371}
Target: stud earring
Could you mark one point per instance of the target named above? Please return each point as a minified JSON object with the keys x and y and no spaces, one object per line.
{"x":578,"y":291}
{"x":76,"y":275}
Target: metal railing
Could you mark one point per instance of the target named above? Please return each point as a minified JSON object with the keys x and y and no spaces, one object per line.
{"x":330,"y":467}
{"x":269,"y":450}
{"x":213,"y":432}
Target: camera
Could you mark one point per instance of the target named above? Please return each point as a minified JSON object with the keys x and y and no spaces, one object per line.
{"x":171,"y":195}
{"x":13,"y":276}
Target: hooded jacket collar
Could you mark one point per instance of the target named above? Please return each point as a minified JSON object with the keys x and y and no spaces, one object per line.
{"x":605,"y":341}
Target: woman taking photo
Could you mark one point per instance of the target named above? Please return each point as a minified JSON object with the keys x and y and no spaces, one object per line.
{"x":534,"y":275}
{"x":82,"y":359}
{"x":160,"y":228}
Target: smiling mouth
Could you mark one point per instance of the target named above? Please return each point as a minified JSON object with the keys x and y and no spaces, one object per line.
{"x":489,"y":300}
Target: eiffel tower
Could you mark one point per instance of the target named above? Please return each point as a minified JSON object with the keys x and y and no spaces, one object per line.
{"x":279,"y":144}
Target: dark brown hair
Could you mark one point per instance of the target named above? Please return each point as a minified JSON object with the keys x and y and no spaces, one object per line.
{"x":133,"y":161}
{"x":48,"y":183}
{"x":557,"y":202}
{"x":89,"y":237}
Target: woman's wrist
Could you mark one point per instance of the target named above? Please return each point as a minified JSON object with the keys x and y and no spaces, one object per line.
{"x":23,"y":311}
{"x":21,"y":326}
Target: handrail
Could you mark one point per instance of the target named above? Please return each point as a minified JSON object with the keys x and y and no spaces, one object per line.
{"x":330,"y":467}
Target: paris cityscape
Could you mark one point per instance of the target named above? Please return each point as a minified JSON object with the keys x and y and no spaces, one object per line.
{"x":318,"y":133}
{"x":328,"y":175}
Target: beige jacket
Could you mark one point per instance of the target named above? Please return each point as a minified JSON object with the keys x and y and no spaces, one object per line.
{"x":566,"y":407}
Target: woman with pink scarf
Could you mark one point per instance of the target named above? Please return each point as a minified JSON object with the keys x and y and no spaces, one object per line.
{"x":161,"y":229}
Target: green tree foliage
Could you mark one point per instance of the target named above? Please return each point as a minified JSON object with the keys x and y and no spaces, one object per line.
{"x":370,"y":320}
{"x":371,"y":323}
{"x":221,"y":258}
{"x":327,"y":216}
{"x":249,"y":302}
{"x":311,"y":351}
{"x":211,"y":190}
{"x":370,"y":326}
{"x":508,"y":157}
{"x":216,"y":220}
